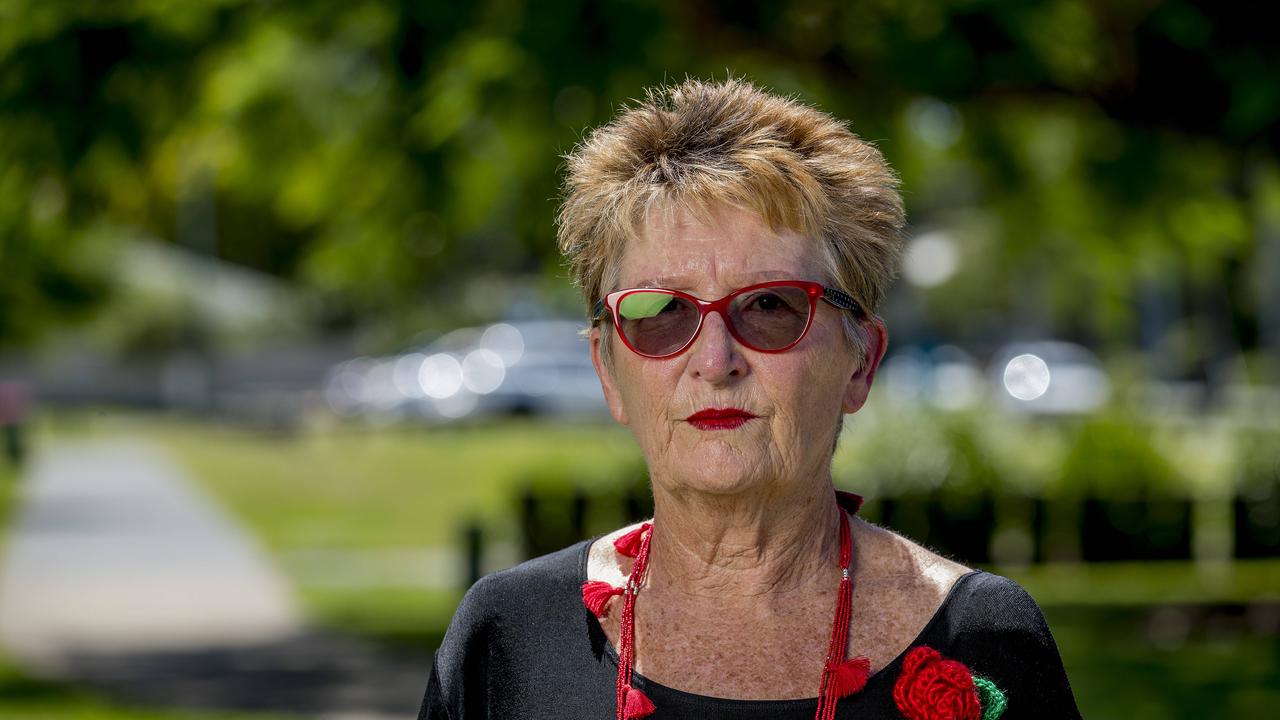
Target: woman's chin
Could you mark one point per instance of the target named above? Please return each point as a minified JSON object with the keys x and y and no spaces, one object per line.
{"x":714,"y":462}
{"x":722,"y":471}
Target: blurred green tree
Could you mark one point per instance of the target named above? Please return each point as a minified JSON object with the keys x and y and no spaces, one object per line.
{"x":1085,"y":157}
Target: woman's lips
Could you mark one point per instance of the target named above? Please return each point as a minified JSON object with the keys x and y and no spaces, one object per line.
{"x":719,"y":418}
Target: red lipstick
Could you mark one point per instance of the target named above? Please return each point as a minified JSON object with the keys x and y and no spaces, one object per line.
{"x":719,"y":418}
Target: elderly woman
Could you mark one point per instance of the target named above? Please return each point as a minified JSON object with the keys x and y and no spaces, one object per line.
{"x":732,"y":246}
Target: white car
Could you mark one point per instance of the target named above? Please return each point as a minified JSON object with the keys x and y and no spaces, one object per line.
{"x":534,"y":367}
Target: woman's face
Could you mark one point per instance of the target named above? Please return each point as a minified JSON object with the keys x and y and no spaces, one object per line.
{"x":797,"y":395}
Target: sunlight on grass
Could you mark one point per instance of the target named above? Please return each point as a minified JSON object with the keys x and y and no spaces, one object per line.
{"x":1149,"y":583}
{"x":392,"y":487}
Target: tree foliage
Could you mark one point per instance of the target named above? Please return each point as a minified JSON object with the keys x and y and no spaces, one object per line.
{"x":380,"y":152}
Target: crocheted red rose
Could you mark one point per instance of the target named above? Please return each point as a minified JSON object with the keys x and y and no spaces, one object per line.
{"x":932,"y":687}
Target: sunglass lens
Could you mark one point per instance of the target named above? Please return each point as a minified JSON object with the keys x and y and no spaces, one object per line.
{"x":771,"y":318}
{"x":656,"y":323}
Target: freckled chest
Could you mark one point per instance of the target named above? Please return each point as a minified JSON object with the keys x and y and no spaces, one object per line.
{"x":756,"y":649}
{"x":761,"y":653}
{"x":731,"y":649}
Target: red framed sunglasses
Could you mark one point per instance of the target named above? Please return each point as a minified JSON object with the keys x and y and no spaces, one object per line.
{"x":768,"y":317}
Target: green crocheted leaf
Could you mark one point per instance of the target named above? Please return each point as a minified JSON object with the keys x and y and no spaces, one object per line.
{"x":992,"y":699}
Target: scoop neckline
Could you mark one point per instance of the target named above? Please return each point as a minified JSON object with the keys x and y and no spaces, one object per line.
{"x":710,"y":701}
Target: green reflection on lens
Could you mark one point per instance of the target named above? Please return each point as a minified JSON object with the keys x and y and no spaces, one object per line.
{"x":640,"y":305}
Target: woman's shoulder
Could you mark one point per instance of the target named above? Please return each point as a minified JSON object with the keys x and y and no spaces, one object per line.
{"x":991,"y":624}
{"x":986,"y":602}
{"x":895,"y":561}
{"x":975,"y":599}
{"x":500,"y":604}
{"x":998,"y":627}
{"x":509,"y":624}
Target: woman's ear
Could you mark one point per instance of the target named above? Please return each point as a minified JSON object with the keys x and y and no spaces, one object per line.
{"x":859,"y":385}
{"x":607,"y":383}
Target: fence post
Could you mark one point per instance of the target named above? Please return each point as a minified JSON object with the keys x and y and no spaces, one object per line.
{"x":473,"y":540}
{"x":529,"y":522}
{"x":13,"y":416}
{"x":578,"y":514}
{"x":1256,"y":512}
{"x":1057,"y":527}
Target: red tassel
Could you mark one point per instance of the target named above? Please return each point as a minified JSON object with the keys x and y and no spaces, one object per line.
{"x":849,"y":501}
{"x":596,"y":595}
{"x":849,"y":676}
{"x":638,"y":705}
{"x":629,"y":544}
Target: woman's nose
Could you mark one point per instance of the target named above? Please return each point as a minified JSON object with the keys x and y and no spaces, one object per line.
{"x":716,"y":356}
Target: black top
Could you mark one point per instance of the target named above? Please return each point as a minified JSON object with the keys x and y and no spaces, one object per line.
{"x":522,"y":645}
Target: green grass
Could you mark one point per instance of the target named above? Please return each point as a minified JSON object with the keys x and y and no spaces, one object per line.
{"x":1117,"y":670}
{"x":1124,"y":662}
{"x":392,"y":488}
{"x":412,"y":619}
{"x":1149,"y":583}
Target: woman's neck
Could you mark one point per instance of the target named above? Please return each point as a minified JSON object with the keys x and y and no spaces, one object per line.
{"x":769,"y":543}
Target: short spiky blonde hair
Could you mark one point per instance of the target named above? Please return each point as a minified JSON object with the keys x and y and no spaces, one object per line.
{"x":699,"y":145}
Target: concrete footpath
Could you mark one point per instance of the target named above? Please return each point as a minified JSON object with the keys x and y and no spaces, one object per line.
{"x":119,"y":573}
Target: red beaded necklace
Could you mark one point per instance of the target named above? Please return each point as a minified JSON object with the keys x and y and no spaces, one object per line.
{"x":840,"y":676}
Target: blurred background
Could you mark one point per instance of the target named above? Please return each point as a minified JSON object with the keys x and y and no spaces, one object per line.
{"x":288,"y":358}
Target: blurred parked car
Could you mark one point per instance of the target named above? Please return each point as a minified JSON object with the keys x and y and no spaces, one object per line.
{"x":535,"y":367}
{"x":1049,"y":378}
{"x":945,"y":377}
{"x":1043,"y":378}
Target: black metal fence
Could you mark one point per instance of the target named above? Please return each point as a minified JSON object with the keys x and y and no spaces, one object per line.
{"x":973,"y":527}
